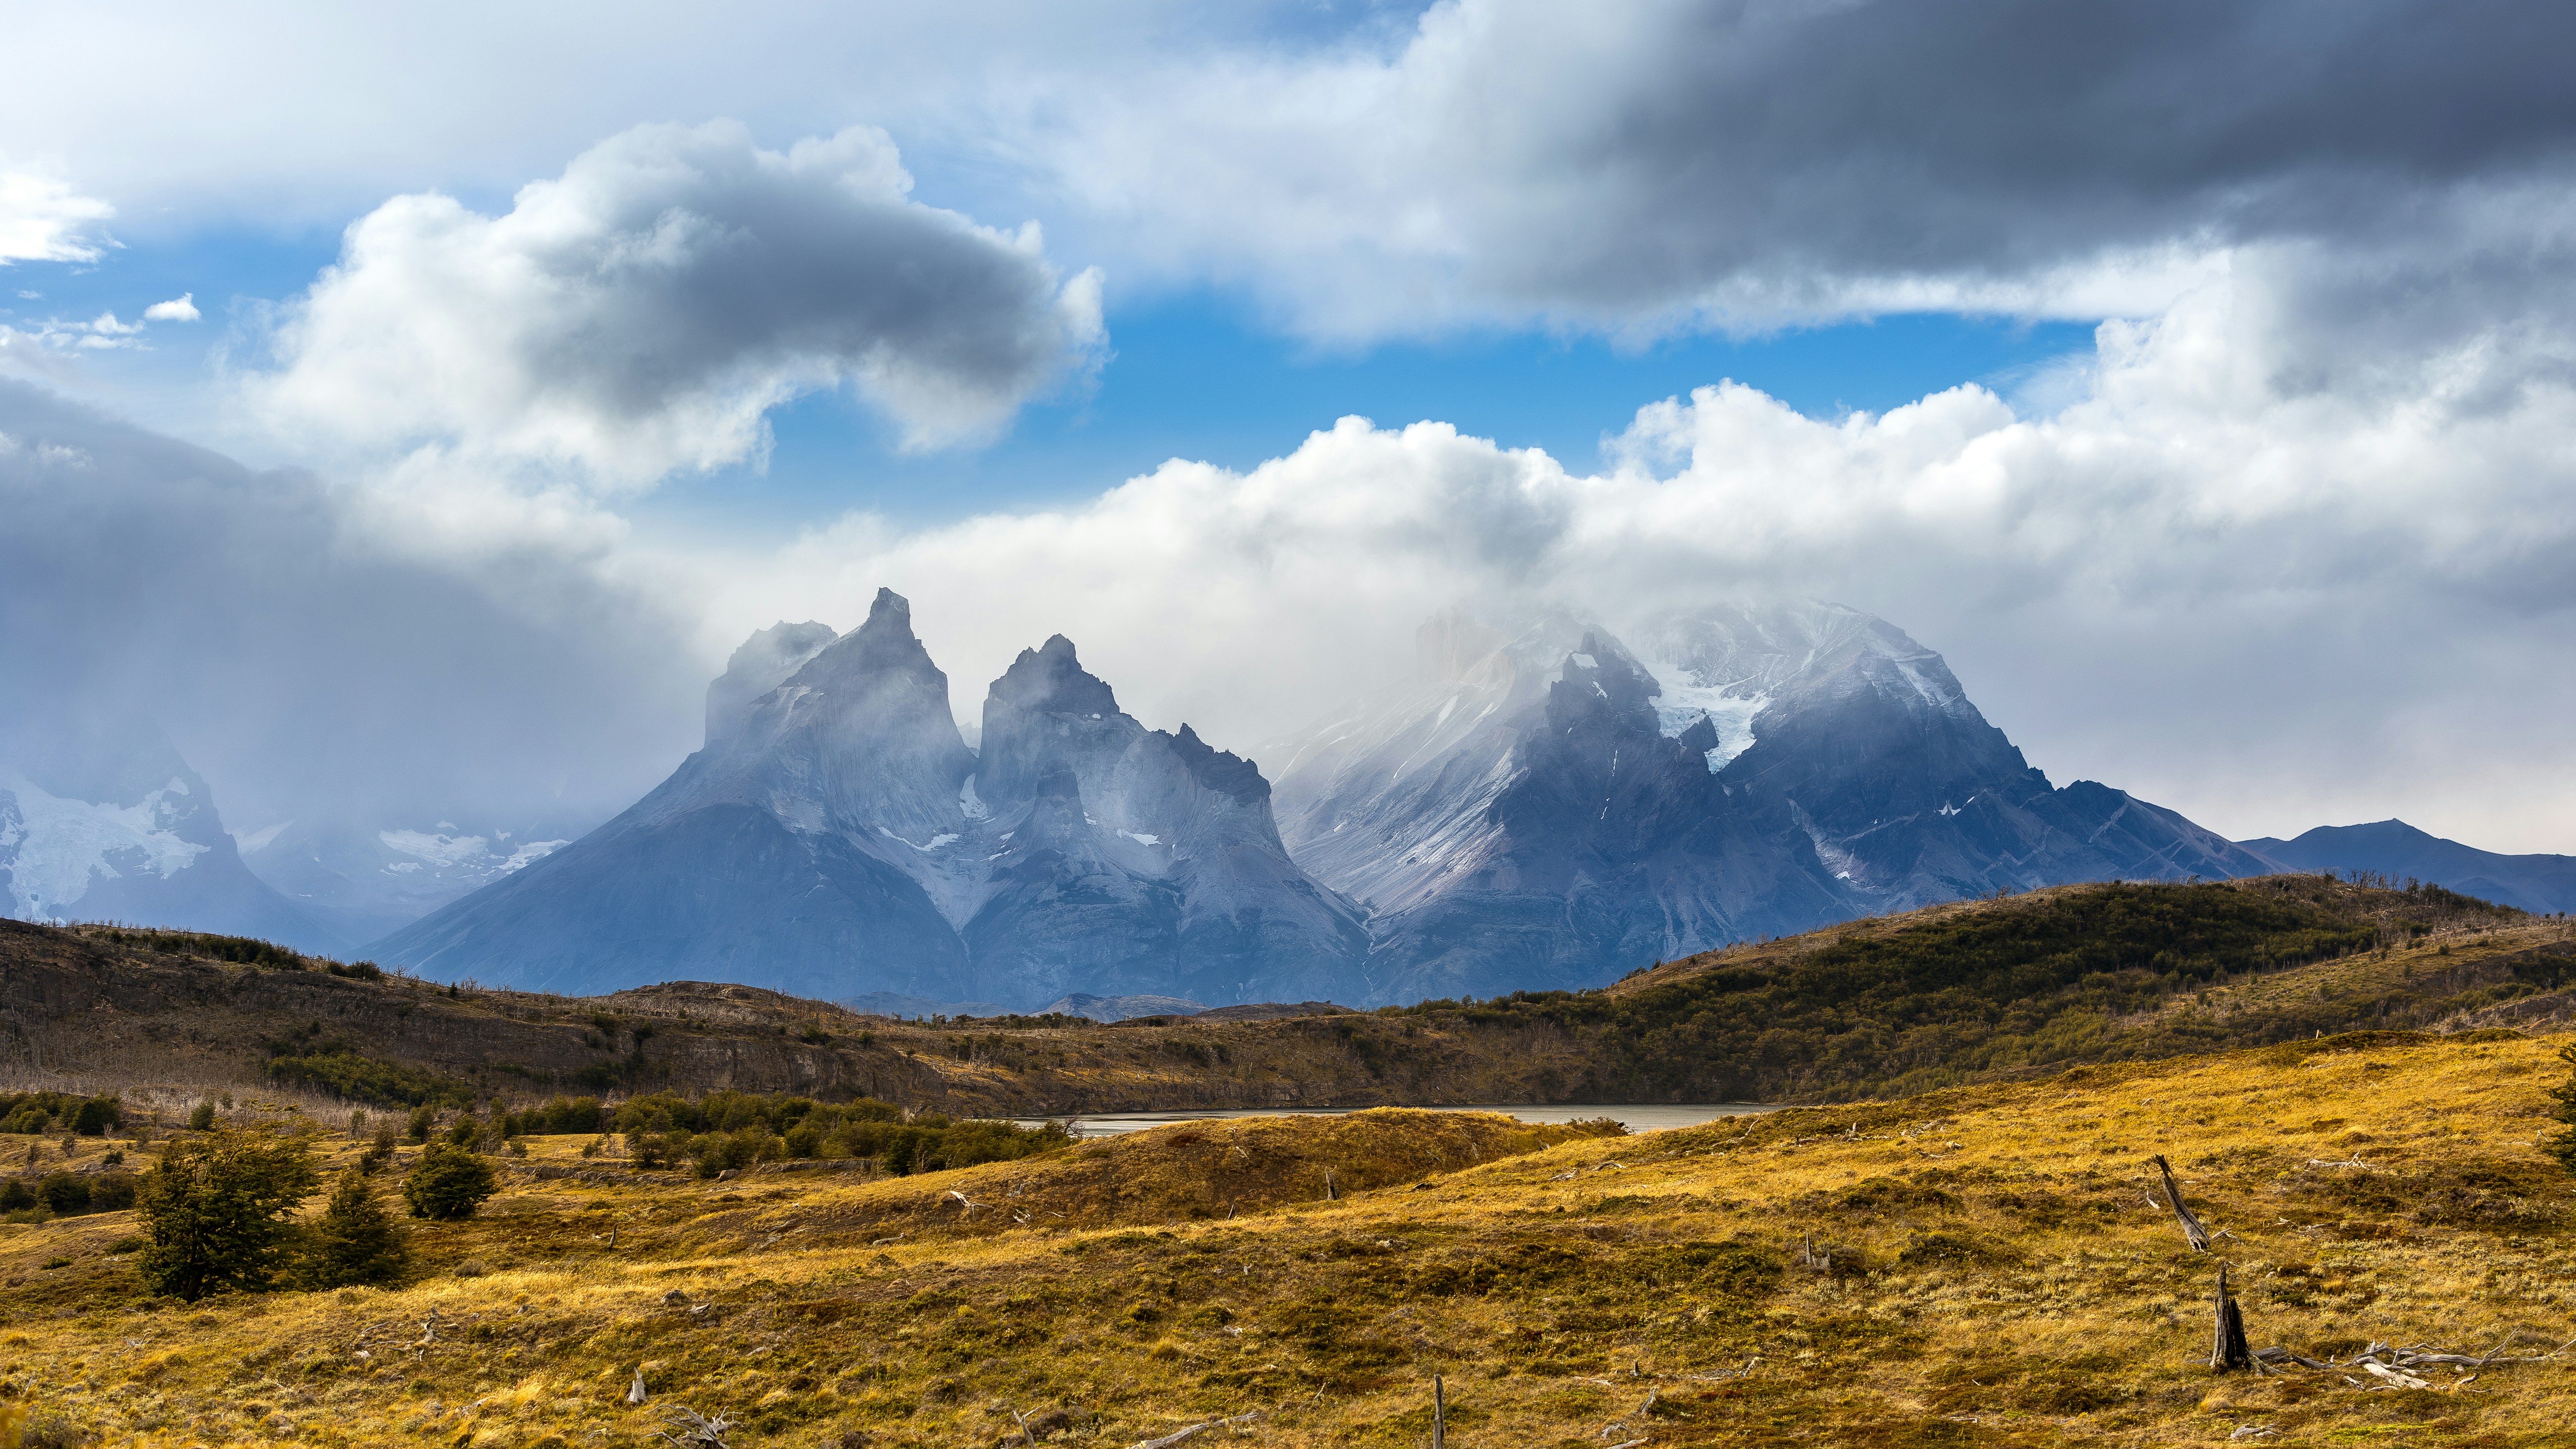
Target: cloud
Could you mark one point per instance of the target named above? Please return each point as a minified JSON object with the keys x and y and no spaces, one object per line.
{"x":182,"y":308}
{"x":308,"y":654}
{"x":43,"y":220}
{"x":2264,"y":571}
{"x":642,"y":312}
{"x":1742,"y":164}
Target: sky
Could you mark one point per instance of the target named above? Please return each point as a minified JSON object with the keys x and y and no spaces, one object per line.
{"x":413,"y":407}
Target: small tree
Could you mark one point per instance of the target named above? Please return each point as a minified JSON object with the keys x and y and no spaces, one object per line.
{"x":215,"y":1210}
{"x":448,"y":1183}
{"x":379,"y":1152}
{"x":354,"y":1241}
{"x":201,"y":1118}
{"x":2563,"y":1145}
{"x":423,"y":1118}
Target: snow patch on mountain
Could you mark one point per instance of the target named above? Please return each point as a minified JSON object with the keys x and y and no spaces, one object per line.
{"x":470,"y":854}
{"x":55,"y":848}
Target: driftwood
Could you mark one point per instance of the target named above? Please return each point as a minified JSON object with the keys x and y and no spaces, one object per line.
{"x":1183,"y":1436}
{"x":2192,"y":1231}
{"x":1439,"y":1414}
{"x":2227,"y":1348}
{"x":686,"y":1426}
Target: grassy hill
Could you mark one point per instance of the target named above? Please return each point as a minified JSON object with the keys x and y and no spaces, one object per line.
{"x":1980,"y":1266}
{"x":1976,"y":990}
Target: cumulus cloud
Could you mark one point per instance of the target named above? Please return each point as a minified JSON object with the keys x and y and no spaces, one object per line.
{"x":642,"y":312}
{"x":182,"y":308}
{"x":2246,"y":572}
{"x":42,"y":219}
{"x":1716,"y":161}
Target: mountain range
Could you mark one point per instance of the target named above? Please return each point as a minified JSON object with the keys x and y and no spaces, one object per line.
{"x":1545,"y":804}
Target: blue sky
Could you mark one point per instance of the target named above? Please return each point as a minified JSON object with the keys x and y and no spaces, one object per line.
{"x":1195,"y":373}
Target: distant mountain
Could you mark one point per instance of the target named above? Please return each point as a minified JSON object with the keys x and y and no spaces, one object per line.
{"x":1547,"y":808}
{"x":363,"y":882}
{"x":836,"y":836}
{"x":1121,"y":1008}
{"x":101,"y":820}
{"x":2393,"y":848}
{"x":896,"y":1004}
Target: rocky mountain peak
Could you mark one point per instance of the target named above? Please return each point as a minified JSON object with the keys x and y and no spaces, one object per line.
{"x":763,"y":662}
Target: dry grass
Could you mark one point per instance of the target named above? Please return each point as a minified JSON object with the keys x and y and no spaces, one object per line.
{"x":1996,"y":1277}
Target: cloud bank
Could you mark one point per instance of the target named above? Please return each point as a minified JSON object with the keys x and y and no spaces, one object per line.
{"x":642,"y":312}
{"x":1720,"y":162}
{"x":2246,"y":572}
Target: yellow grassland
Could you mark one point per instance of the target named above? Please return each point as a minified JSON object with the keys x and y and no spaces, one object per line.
{"x":1979,"y":1266}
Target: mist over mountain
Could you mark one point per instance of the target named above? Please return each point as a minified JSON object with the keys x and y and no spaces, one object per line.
{"x":835,"y":836}
{"x":1546,"y":808}
{"x":101,"y":820}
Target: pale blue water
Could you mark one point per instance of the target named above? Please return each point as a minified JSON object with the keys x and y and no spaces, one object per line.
{"x":1635,"y":1118}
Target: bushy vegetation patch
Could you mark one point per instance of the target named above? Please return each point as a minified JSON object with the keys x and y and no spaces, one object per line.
{"x":2011,"y":984}
{"x":729,"y":1131}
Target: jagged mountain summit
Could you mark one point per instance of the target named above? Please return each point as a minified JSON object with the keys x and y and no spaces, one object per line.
{"x":102,"y":820}
{"x":837,"y":836}
{"x":1546,"y":808}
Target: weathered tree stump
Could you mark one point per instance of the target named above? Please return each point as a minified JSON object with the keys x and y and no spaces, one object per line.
{"x":2192,"y":1231}
{"x":2228,"y":1349}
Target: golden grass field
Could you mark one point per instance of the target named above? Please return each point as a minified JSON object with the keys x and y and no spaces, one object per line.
{"x":1980,"y":1266}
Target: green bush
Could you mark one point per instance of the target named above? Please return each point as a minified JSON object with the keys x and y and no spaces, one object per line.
{"x":448,"y":1183}
{"x":111,"y":1192}
{"x":215,"y":1210}
{"x":65,"y":1193}
{"x":354,"y":1241}
{"x":201,"y":1118}
{"x":424,"y":1119}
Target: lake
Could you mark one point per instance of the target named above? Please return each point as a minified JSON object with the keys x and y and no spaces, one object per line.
{"x":1635,"y":1118}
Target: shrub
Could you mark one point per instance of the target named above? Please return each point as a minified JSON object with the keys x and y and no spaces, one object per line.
{"x":449,"y":1183}
{"x":111,"y":1192}
{"x":354,"y":1241}
{"x":215,"y":1210}
{"x":65,"y":1193}
{"x":202,"y":1117}
{"x":16,"y":1196}
{"x":2563,"y":1145}
{"x":423,"y":1119}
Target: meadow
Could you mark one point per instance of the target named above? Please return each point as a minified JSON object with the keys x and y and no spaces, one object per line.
{"x":1988,"y":1264}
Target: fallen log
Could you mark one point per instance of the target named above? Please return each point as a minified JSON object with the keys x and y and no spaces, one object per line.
{"x":1183,"y":1436}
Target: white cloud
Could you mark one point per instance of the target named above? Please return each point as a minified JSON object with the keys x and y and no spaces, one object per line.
{"x":182,"y":308}
{"x":42,"y":219}
{"x":2240,"y":574}
{"x":641,"y":313}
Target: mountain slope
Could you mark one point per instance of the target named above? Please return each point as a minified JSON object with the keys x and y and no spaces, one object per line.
{"x":100,"y":819}
{"x":2399,"y":851}
{"x":1547,"y":809}
{"x":836,"y":836}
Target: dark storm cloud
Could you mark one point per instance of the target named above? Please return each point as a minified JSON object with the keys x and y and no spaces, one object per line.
{"x":301,"y":668}
{"x":1765,"y":161}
